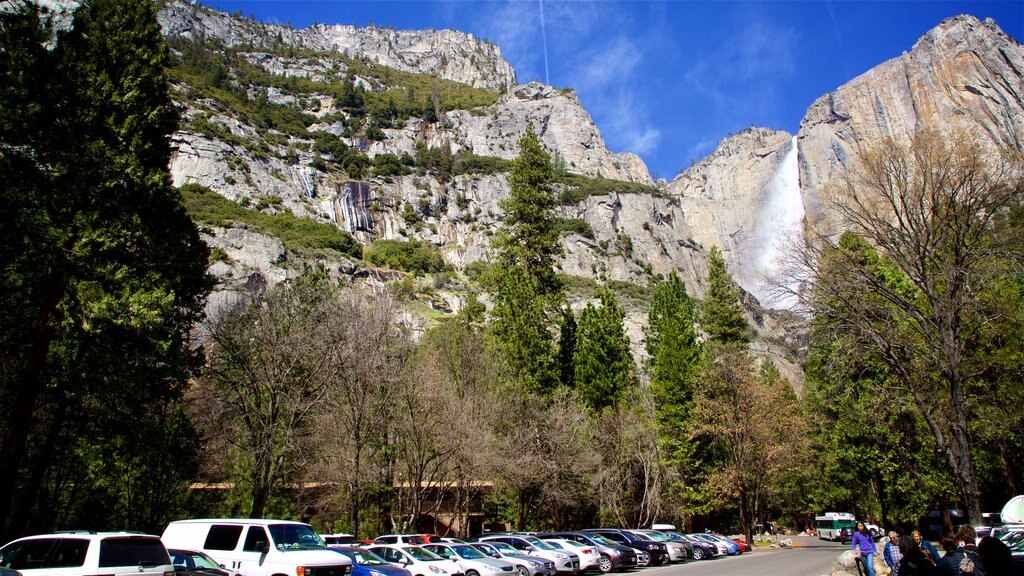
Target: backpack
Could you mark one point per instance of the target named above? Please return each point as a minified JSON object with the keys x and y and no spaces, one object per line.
{"x":970,"y":564}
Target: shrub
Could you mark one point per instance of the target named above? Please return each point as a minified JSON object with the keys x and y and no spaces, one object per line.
{"x":414,"y":256}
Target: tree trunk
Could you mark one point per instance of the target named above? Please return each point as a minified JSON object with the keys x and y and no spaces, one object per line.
{"x":23,"y":408}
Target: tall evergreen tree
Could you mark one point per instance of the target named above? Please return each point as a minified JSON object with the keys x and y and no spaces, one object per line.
{"x":721,"y":314}
{"x":528,"y":237}
{"x":104,"y":273}
{"x":604,"y":364}
{"x":528,"y":295}
{"x":673,"y":355}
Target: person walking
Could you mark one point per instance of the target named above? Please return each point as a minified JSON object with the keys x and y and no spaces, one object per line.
{"x":949,"y":565}
{"x":864,"y":546}
{"x":969,"y":537}
{"x":927,"y":547}
{"x":892,"y":554}
{"x":912,"y":559}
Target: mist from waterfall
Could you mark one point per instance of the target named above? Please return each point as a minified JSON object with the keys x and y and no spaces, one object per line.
{"x":779,"y":224}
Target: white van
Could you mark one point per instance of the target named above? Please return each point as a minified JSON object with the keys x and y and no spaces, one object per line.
{"x":259,"y":547}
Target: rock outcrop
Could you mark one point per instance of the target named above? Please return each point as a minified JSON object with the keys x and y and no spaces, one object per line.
{"x":447,"y":54}
{"x":724,"y":195}
{"x":962,"y":75}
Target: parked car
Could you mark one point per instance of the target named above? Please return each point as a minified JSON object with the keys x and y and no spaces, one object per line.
{"x":472,"y":561}
{"x":525,"y":565}
{"x":614,"y":556}
{"x":257,"y":547}
{"x":677,"y":551}
{"x":338,"y":540}
{"x":732,"y":547}
{"x":87,"y":553}
{"x":590,"y":558}
{"x":565,"y":562}
{"x":195,"y":563}
{"x":699,"y":549}
{"x":744,"y":546}
{"x":411,"y":539}
{"x":657,"y":552}
{"x":416,"y":560}
{"x":722,"y":549}
{"x":366,"y":563}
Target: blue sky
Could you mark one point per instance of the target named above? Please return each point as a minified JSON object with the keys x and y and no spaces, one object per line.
{"x":668,"y":80}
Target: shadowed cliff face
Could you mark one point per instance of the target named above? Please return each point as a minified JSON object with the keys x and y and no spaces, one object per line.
{"x":962,"y":75}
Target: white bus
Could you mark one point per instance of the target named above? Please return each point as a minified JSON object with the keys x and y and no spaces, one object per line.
{"x":830,"y":524}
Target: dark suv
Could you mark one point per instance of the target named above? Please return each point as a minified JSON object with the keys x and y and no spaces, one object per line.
{"x":614,"y":556}
{"x":657,"y":551}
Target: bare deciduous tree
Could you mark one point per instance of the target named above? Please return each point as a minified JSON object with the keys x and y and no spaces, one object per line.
{"x":908,"y":282}
{"x":270,"y":378}
{"x":366,"y":348}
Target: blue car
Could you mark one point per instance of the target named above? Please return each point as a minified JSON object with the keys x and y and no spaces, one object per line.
{"x":366,"y":563}
{"x":733,"y":547}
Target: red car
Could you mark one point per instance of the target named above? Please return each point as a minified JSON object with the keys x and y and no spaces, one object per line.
{"x":744,"y":547}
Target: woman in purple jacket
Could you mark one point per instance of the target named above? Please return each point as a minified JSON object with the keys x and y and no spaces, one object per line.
{"x":864,"y":546}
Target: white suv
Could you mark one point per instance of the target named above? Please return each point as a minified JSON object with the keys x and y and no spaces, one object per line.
{"x":87,"y":553}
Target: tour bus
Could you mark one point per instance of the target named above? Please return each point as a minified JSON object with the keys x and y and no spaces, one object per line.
{"x":830,"y":525}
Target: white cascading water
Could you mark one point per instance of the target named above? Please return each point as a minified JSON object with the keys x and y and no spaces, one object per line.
{"x":779,"y":224}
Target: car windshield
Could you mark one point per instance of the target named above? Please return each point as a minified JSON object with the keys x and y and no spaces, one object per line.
{"x":674,"y":536}
{"x":488,"y":550}
{"x":422,"y":554}
{"x":204,"y":561}
{"x":365,"y":557}
{"x":553,"y":544}
{"x":629,"y":536}
{"x":295,"y":537}
{"x":539,"y":543}
{"x":504,"y":548}
{"x":601,"y":539}
{"x":656,"y":536}
{"x":467,"y":552}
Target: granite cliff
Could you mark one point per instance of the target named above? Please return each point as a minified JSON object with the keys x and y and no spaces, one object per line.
{"x":746,"y":197}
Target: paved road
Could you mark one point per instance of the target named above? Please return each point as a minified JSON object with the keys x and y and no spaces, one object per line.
{"x":808,"y":557}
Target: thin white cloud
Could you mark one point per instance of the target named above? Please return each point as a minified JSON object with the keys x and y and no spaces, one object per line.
{"x":739,"y":74}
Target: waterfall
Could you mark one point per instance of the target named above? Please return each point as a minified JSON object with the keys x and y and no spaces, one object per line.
{"x":779,"y":224}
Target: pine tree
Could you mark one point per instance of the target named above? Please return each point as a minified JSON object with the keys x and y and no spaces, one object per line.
{"x":520,"y":333}
{"x":104,"y":272}
{"x":721,"y":314}
{"x":604,"y":364}
{"x":528,"y":237}
{"x":673,"y":350}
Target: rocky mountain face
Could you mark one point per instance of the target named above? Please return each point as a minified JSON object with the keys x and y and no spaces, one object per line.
{"x":447,"y":54}
{"x":744,"y":198}
{"x":962,"y":75}
{"x":724,"y":196}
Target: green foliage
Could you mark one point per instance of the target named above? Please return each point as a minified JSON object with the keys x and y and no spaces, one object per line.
{"x":519,"y":332}
{"x":574,"y":226}
{"x":103,"y":275}
{"x":414,"y":256}
{"x":604,"y":367}
{"x":528,"y":238}
{"x":576,"y":188}
{"x":465,"y":162}
{"x":721,"y":314}
{"x":300,"y":235}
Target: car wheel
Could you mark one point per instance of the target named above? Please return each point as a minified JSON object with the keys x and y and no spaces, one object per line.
{"x":643,"y":560}
{"x":698,"y":554}
{"x":472,"y":573}
{"x":522,"y":571}
{"x":604,"y":564}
